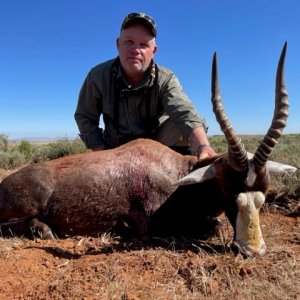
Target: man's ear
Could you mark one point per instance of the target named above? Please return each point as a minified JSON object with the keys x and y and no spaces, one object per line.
{"x":118,"y":42}
{"x":155,"y":49}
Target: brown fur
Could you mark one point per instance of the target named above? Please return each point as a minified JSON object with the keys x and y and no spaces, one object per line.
{"x":132,"y":186}
{"x":87,"y":193}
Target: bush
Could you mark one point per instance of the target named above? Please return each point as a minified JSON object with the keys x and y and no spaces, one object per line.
{"x":14,"y":155}
{"x":3,"y":142}
{"x":62,"y":147}
{"x":26,"y":149}
{"x":11,"y":159}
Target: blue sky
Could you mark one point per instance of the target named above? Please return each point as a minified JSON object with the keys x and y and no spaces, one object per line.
{"x":48,"y":47}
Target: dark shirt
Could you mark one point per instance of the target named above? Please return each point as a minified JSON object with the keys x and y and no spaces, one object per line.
{"x":130,"y":113}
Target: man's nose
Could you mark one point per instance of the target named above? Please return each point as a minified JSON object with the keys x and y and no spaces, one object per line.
{"x":135,"y":48}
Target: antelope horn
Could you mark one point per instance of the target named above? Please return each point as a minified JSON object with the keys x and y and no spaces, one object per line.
{"x":279,"y":117}
{"x":237,"y":155}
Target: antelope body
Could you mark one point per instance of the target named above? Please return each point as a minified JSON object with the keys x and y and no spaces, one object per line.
{"x":148,"y":188}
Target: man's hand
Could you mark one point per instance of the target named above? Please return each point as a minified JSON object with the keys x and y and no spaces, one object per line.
{"x":205,"y":150}
{"x":200,"y":143}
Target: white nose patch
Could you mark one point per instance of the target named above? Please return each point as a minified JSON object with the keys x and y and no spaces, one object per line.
{"x":245,"y":201}
{"x":248,"y":233}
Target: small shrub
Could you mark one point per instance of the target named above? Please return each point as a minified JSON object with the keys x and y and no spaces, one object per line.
{"x":11,"y":159}
{"x":3,"y":142}
{"x":26,"y":149}
{"x":63,"y":147}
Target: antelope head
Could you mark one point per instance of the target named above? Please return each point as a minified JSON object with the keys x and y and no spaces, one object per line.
{"x":244,"y":178}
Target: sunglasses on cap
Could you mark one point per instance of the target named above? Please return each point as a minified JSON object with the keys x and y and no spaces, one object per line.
{"x":149,"y":21}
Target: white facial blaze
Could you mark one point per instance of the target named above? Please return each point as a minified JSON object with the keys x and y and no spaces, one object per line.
{"x":248,"y":233}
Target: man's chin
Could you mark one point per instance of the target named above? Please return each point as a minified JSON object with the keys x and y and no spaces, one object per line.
{"x":135,"y":71}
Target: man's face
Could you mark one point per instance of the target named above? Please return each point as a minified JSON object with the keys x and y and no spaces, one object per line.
{"x":136,"y":48}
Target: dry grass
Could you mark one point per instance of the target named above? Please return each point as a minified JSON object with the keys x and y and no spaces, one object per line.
{"x":106,"y":268}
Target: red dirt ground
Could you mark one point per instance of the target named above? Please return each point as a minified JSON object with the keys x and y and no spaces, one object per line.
{"x":105,"y":268}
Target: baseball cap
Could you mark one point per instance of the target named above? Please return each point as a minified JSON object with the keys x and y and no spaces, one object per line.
{"x":136,"y":17}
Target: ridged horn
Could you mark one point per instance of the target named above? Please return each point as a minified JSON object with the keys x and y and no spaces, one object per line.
{"x":237,"y":155}
{"x":279,"y":117}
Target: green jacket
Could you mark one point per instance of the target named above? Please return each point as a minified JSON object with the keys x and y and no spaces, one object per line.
{"x":130,"y":113}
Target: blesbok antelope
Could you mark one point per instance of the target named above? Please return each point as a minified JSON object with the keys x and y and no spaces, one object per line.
{"x":147,"y":187}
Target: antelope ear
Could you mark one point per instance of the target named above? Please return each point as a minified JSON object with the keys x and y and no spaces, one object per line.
{"x":274,"y":167}
{"x":277,"y":168}
{"x":198,"y":176}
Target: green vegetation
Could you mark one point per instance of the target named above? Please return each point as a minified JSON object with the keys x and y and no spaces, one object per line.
{"x":286,"y":151}
{"x":16,"y":154}
{"x":60,"y":148}
{"x":13,"y":155}
{"x":3,"y":142}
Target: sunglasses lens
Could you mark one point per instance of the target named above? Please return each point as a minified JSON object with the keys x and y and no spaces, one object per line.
{"x":140,"y":15}
{"x":133,"y":15}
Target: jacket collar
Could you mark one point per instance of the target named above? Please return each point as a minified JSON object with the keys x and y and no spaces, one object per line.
{"x":123,"y":84}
